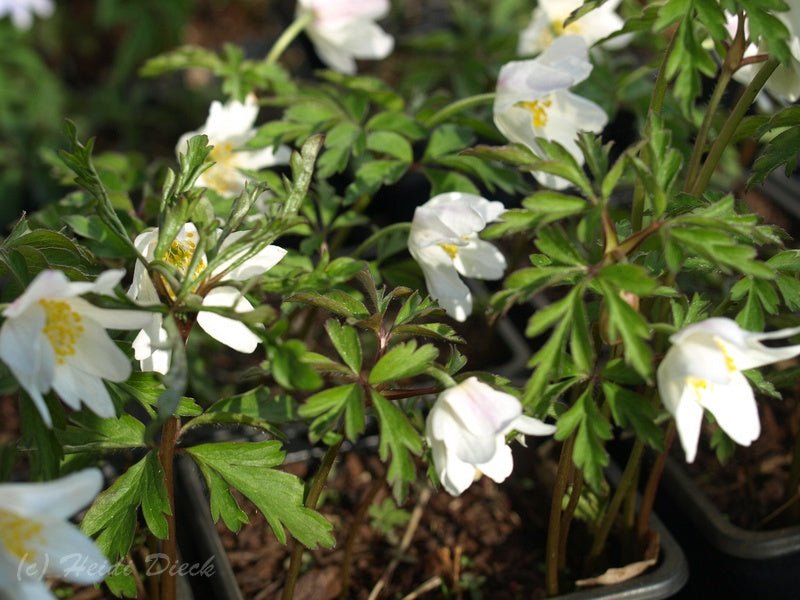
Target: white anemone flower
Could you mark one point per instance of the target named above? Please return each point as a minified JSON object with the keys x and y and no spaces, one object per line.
{"x":151,"y":345}
{"x":547,"y":24}
{"x":22,"y":12}
{"x":785,"y":81}
{"x":344,"y":30}
{"x":37,"y":540}
{"x":466,"y":430}
{"x":229,"y":127}
{"x":444,"y":241}
{"x":703,"y":370}
{"x":533,"y":101}
{"x":52,"y":338}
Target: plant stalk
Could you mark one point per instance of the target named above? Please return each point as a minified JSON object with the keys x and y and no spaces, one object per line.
{"x":702,"y":135}
{"x":314,"y":492}
{"x":729,"y":128}
{"x":651,"y":487}
{"x":358,"y":521}
{"x":456,"y":107}
{"x":554,"y":525}
{"x":371,"y":240}
{"x":287,"y":37}
{"x":166,"y":455}
{"x":625,"y":483}
{"x":568,"y":514}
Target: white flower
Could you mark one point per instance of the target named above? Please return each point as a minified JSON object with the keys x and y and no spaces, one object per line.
{"x":22,"y":11}
{"x":229,"y":127}
{"x":150,"y":346}
{"x":466,"y":430}
{"x":547,"y":24}
{"x":532,"y":101}
{"x":51,"y":338}
{"x":703,"y":370}
{"x":444,"y":241}
{"x":785,"y":81}
{"x":37,"y":540}
{"x":343,"y":30}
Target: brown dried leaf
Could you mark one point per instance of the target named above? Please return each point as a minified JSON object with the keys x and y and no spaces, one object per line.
{"x":620,"y":574}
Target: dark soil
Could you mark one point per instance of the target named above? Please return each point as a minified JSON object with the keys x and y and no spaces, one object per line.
{"x":751,"y":486}
{"x":491,"y":538}
{"x":487,"y":543}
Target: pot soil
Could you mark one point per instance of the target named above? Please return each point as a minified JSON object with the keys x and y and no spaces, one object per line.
{"x":489,"y":542}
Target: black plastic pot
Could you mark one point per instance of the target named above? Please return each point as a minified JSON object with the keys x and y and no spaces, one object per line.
{"x":732,"y":562}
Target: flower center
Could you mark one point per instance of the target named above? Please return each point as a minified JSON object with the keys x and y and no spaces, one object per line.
{"x":62,"y":327}
{"x":699,"y":386}
{"x":223,"y":176}
{"x":451,"y":249}
{"x":538,"y":110}
{"x":179,"y":255}
{"x":17,"y":533}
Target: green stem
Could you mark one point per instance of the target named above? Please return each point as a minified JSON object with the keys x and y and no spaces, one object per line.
{"x":554,"y":525}
{"x":625,"y":482}
{"x":287,"y":37}
{"x":456,"y":107}
{"x":314,"y":492}
{"x":729,"y":128}
{"x":702,"y":135}
{"x":371,"y":240}
{"x":656,"y":105}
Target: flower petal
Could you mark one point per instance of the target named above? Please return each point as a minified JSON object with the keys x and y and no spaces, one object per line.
{"x":480,"y":408}
{"x":47,"y":284}
{"x":61,"y":497}
{"x":734,"y":407}
{"x":258,"y":264}
{"x":443,"y":282}
{"x":458,"y":475}
{"x":230,"y":332}
{"x":480,"y":259}
{"x":111,"y":318}
{"x":151,"y":347}
{"x":96,"y":354}
{"x":501,"y":465}
{"x":266,"y":157}
{"x":75,"y":386}
{"x":689,"y":419}
{"x":530,"y":426}
{"x":71,"y":555}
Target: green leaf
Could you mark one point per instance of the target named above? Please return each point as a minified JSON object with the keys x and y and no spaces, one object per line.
{"x":398,"y":438}
{"x":593,"y":430}
{"x":94,"y":433}
{"x":371,"y":176}
{"x":401,"y":361}
{"x":544,"y":318}
{"x":154,"y":500}
{"x":335,"y":301}
{"x":580,"y":343}
{"x":633,"y":329}
{"x":629,"y":277}
{"x":398,"y":123}
{"x":329,"y":404}
{"x":555,"y":244}
{"x":221,"y":501}
{"x":633,"y":411}
{"x":391,"y":144}
{"x":345,"y":340}
{"x":546,"y":361}
{"x":113,"y":513}
{"x":248,"y":467}
{"x":447,"y":139}
{"x":289,"y":369}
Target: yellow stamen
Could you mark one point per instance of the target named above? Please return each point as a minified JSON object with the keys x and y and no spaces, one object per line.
{"x":557,"y":28}
{"x":180,"y":255}
{"x":699,"y":386}
{"x":729,"y":362}
{"x":538,"y":110}
{"x":19,"y":535}
{"x":451,"y":249}
{"x":62,"y":327}
{"x":223,"y":177}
